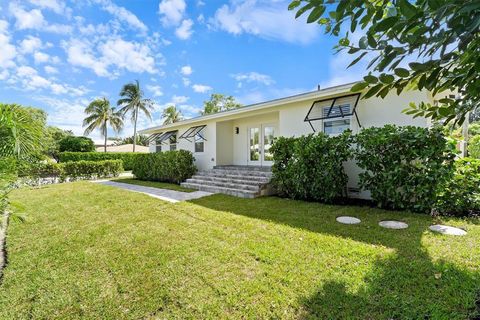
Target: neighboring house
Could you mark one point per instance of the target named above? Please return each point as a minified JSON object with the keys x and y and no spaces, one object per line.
{"x":242,"y":137}
{"x":124,"y":148}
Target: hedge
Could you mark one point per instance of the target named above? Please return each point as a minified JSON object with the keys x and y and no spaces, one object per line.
{"x":311,"y":167}
{"x":460,"y":195}
{"x":170,"y":166}
{"x":404,"y":167}
{"x":78,"y":170}
{"x":76,"y":144}
{"x":126,"y":157}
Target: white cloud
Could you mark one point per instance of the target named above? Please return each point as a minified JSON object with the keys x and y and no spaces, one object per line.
{"x":254,"y":77}
{"x":8,"y":50}
{"x":186,"y":81}
{"x":179,"y":99}
{"x":79,"y":54}
{"x":30,"y":44}
{"x":171,"y":11}
{"x":50,"y":70}
{"x":155,"y":90}
{"x":132,"y":56}
{"x":264,"y":19}
{"x":186,"y":70}
{"x":34,"y":19}
{"x":124,"y":15}
{"x":184,"y":31}
{"x":54,"y":5}
{"x":200,"y":88}
{"x":41,"y":57}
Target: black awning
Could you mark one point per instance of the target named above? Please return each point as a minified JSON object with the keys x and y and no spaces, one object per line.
{"x":192,"y":132}
{"x":162,"y":137}
{"x":338,"y":107}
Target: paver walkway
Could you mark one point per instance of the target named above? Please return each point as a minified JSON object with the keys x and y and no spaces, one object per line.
{"x":163,"y":194}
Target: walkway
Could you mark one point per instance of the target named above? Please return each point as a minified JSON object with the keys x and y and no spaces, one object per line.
{"x":162,"y":194}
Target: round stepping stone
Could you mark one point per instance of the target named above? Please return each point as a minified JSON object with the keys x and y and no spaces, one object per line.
{"x":392,"y":224}
{"x":447,"y":230}
{"x":348,"y":220}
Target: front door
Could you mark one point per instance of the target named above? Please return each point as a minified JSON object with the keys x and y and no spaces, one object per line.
{"x":260,"y":139}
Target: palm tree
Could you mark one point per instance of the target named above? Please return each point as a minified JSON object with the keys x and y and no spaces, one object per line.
{"x":100,"y":115}
{"x":133,"y":101}
{"x":171,"y":115}
{"x":21,"y":131}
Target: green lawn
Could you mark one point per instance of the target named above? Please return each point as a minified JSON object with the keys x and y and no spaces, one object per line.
{"x":98,"y":252}
{"x":154,"y":184}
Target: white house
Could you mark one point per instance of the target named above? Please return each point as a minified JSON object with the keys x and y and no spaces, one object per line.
{"x":242,"y":137}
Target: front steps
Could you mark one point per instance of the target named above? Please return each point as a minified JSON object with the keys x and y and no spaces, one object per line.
{"x":238,"y":181}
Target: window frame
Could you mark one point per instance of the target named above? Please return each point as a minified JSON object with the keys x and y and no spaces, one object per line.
{"x":199,"y":139}
{"x":347,"y":117}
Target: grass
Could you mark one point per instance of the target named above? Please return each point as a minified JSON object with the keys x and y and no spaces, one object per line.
{"x":154,"y":184}
{"x":93,"y":251}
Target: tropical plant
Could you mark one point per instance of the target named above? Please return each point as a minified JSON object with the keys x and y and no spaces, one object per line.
{"x":21,"y":131}
{"x":99,"y":115}
{"x":441,"y":38}
{"x":76,"y":144}
{"x":142,"y":140}
{"x":219,"y":102}
{"x":133,"y":102}
{"x":52,"y":138}
{"x":474,"y":147}
{"x":171,"y":115}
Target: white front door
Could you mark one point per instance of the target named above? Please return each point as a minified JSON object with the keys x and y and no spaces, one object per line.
{"x":260,"y":139}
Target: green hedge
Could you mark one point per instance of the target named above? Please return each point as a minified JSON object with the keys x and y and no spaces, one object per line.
{"x":311,"y":167}
{"x":127,"y":157}
{"x":404,"y":167}
{"x":76,"y":144}
{"x":461,"y":195}
{"x":170,"y":166}
{"x":78,"y":170}
{"x":474,"y":147}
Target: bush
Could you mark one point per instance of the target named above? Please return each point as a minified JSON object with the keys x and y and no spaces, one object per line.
{"x":311,"y":167}
{"x":461,"y":195}
{"x":170,"y":166}
{"x":474,"y":147}
{"x":71,"y":171}
{"x":127,"y":157}
{"x":405,"y":167}
{"x":76,"y":144}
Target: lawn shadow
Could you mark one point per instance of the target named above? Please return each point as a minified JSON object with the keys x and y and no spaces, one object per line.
{"x":407,"y":285}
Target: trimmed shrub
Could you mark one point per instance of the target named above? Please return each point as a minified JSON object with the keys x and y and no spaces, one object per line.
{"x":76,"y":144}
{"x":474,"y":147}
{"x":460,"y":195}
{"x":127,"y":157}
{"x":404,"y":167}
{"x":170,"y":166}
{"x":311,"y":167}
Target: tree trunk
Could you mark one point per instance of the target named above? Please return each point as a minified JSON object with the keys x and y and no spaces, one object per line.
{"x":105,"y":134}
{"x":135,"y":128}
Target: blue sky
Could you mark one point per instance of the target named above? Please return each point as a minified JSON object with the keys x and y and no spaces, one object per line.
{"x":59,"y":55}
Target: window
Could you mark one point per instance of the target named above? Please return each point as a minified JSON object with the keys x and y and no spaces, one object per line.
{"x":173,"y":142}
{"x":334,"y":123}
{"x":158,"y":145}
{"x":199,"y":142}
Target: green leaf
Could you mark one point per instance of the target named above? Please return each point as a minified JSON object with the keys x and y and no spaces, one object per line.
{"x":359,"y":86}
{"x":303,"y":9}
{"x":363,"y":43}
{"x":315,"y":14}
{"x":406,"y":8}
{"x":357,"y":59}
{"x":385,"y":24}
{"x":370,"y":79}
{"x":373,"y":90}
{"x":294,"y":4}
{"x":386,"y":78}
{"x":401,"y":72}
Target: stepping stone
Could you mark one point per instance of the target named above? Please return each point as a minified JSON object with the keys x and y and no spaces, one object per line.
{"x":447,"y":230}
{"x":392,"y":224}
{"x":348,"y":220}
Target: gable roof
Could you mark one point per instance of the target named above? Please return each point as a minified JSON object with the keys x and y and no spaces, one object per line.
{"x":330,"y":91}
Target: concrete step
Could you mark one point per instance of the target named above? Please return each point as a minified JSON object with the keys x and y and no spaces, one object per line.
{"x":244,"y":168}
{"x":243,"y":173}
{"x":224,"y":190}
{"x":224,"y":184}
{"x":256,"y":181}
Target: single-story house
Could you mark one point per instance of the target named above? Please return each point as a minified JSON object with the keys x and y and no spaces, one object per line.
{"x":242,"y":137}
{"x":124,"y":148}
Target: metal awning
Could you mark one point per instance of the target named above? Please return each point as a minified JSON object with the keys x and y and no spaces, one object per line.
{"x":339,"y":107}
{"x":161,"y":137}
{"x":192,"y":132}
